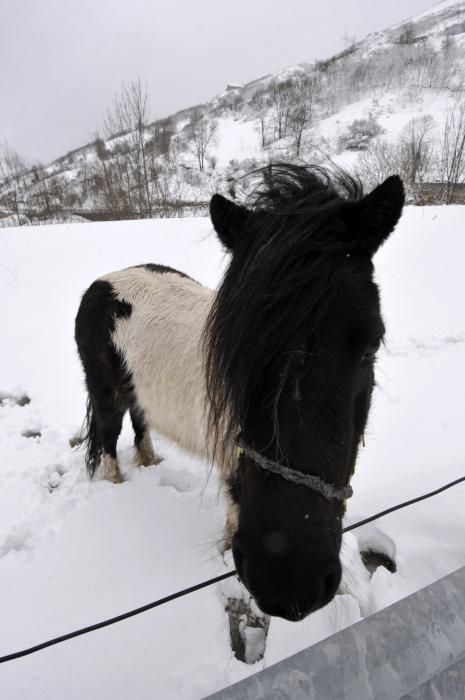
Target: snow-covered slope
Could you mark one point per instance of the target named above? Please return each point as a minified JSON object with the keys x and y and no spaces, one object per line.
{"x":74,"y":552}
{"x":411,"y":70}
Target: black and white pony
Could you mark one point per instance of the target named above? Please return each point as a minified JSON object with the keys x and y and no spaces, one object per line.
{"x":279,"y":360}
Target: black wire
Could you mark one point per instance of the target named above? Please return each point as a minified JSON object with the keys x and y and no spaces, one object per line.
{"x":113,"y":620}
{"x":204,"y":584}
{"x":403,"y":505}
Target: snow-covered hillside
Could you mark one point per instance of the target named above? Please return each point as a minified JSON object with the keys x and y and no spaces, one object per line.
{"x":74,"y":552}
{"x":412,"y":71}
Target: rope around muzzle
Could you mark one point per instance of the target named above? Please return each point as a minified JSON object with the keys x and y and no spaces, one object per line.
{"x":296,"y":477}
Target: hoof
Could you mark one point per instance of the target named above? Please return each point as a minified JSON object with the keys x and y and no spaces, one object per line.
{"x":114,"y":478}
{"x":144,"y":454}
{"x":153,"y":462}
{"x":110,"y":470}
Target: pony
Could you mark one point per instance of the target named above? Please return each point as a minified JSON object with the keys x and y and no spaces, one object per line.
{"x":270,"y":376}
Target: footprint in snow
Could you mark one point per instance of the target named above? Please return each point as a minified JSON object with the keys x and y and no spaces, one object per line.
{"x":76,"y":441}
{"x":248,"y":629}
{"x":373,"y":559}
{"x":18,"y":540}
{"x":34,"y":433}
{"x":361,"y":555}
{"x":53,"y":477}
{"x":248,"y":625}
{"x":377,"y":549}
{"x":180,"y":481}
{"x":7,"y":399}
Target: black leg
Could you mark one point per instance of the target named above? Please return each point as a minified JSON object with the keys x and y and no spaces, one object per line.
{"x":138,"y":424}
{"x":145,"y":455}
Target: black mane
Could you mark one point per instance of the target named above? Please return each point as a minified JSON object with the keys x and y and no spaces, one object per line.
{"x":281,"y":277}
{"x":297,"y":190}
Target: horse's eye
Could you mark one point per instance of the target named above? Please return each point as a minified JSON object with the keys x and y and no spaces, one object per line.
{"x":373,"y":348}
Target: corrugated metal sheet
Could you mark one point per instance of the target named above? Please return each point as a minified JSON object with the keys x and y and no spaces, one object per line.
{"x":413,"y":649}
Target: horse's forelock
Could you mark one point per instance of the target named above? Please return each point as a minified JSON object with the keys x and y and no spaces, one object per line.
{"x":281,"y":274}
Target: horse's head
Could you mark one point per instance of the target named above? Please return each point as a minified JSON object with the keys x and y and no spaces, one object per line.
{"x":291,"y":345}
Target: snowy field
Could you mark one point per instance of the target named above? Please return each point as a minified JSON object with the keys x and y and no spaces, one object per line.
{"x":73,"y":552}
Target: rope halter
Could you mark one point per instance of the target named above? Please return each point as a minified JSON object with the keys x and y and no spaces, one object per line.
{"x":296,"y":477}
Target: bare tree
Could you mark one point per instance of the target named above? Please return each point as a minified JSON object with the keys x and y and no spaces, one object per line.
{"x":13,"y":190}
{"x":417,"y":145}
{"x":42,"y":196}
{"x":452,"y":154}
{"x":261,"y":105}
{"x":281,"y":97}
{"x":127,"y":119}
{"x":107,"y":176}
{"x":451,"y":60}
{"x":200,"y":134}
{"x":116,"y":131}
{"x":161,"y":135}
{"x":300,"y":110}
{"x":137,"y":97}
{"x":378,"y":162}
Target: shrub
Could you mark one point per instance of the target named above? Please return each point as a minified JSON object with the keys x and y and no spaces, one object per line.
{"x":358,"y":135}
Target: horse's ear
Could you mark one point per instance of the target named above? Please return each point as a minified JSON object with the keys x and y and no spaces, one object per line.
{"x":373,"y":218}
{"x":228,"y":219}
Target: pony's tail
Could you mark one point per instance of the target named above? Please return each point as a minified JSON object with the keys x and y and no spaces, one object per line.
{"x":90,"y":438}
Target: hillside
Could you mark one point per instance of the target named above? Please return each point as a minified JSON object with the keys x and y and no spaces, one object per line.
{"x":388,"y":103}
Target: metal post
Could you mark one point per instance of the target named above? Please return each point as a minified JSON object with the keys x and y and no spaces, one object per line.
{"x":413,"y":649}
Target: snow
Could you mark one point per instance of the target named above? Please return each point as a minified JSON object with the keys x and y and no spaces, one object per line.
{"x":431,"y":23}
{"x":236,"y":139}
{"x":392,"y":109}
{"x":74,"y":552}
{"x":439,"y":7}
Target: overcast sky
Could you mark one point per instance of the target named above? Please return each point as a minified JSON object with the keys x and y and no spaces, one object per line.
{"x":61,"y":61}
